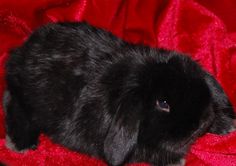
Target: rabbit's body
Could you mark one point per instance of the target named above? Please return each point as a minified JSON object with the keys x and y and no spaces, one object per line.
{"x":95,"y":93}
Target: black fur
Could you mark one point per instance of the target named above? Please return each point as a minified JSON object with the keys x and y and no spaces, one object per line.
{"x":94,"y":93}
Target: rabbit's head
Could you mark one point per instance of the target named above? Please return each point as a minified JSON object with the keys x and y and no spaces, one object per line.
{"x":159,"y":105}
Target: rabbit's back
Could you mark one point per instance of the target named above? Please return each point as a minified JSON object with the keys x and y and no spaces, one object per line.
{"x":57,"y":65}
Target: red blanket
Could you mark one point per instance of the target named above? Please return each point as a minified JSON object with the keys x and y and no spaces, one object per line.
{"x":203,"y":28}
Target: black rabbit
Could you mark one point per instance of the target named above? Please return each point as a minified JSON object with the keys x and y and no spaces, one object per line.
{"x":94,"y":93}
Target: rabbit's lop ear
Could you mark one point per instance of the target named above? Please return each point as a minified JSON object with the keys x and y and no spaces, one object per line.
{"x":224,"y":113}
{"x":123,"y":133}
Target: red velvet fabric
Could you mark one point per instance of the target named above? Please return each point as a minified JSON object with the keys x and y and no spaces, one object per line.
{"x":204,"y":29}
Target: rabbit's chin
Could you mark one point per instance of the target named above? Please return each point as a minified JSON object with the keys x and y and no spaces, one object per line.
{"x":11,"y":145}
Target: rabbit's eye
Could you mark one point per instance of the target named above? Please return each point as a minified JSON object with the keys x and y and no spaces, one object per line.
{"x":163,"y":106}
